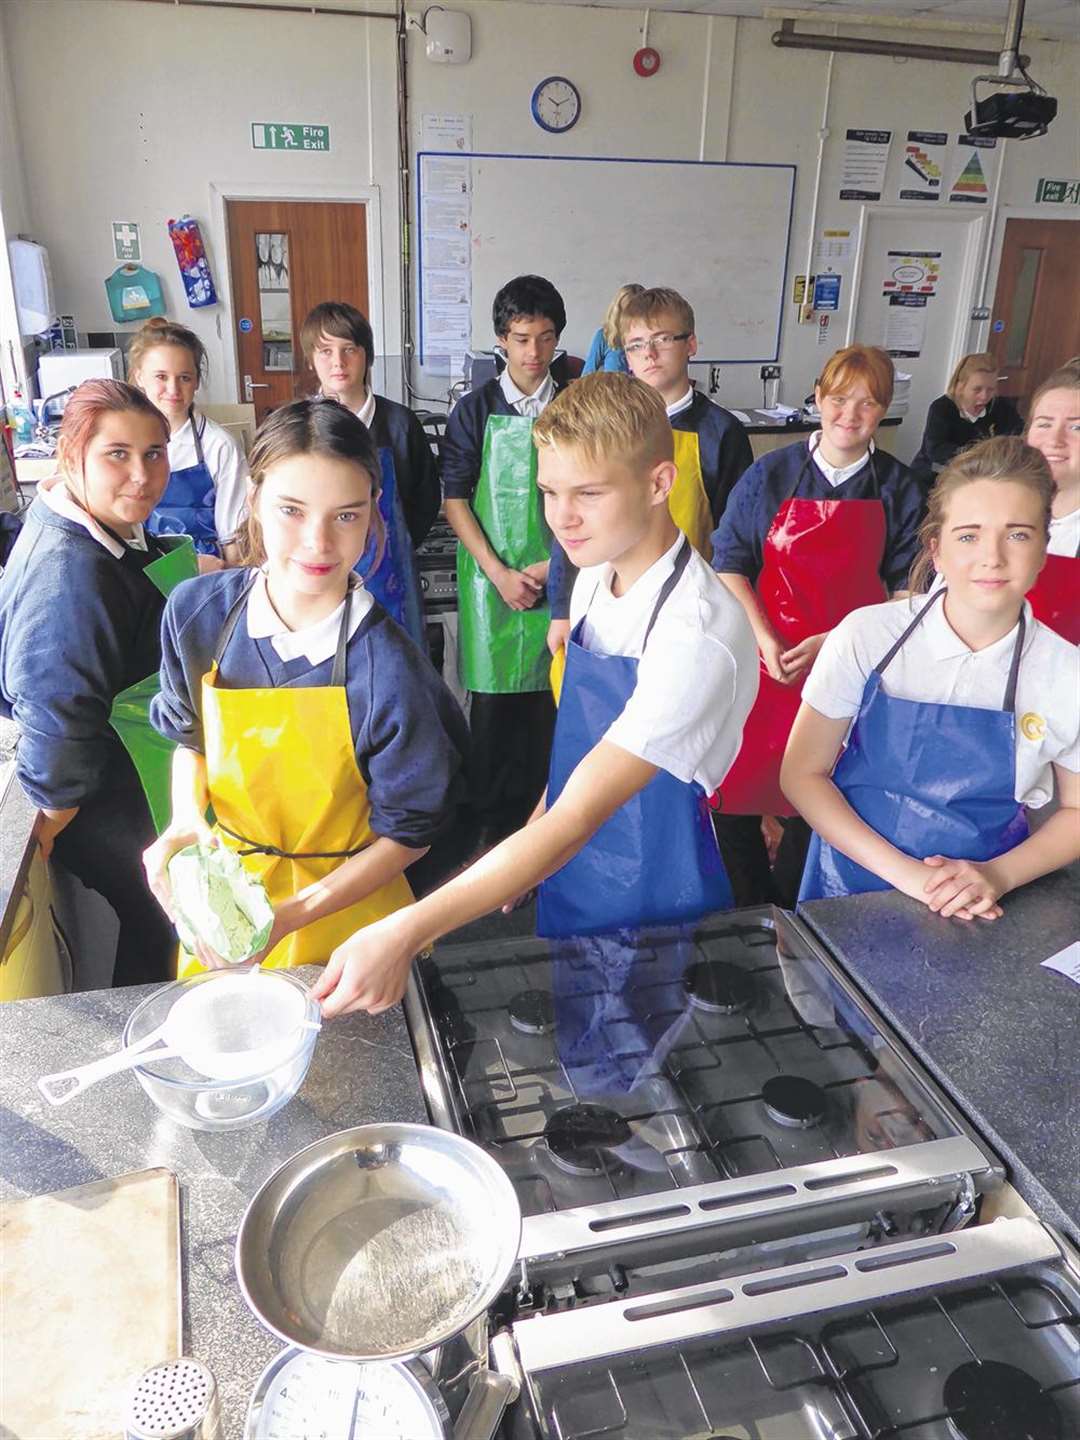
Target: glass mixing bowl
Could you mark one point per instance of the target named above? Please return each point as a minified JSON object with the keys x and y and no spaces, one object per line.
{"x":191,"y":1099}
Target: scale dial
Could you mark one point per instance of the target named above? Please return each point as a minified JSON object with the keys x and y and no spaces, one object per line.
{"x":304,"y":1397}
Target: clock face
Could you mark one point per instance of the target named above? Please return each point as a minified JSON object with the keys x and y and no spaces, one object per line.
{"x":556,"y":104}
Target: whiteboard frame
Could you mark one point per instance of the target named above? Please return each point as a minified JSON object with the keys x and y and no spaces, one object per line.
{"x":792,"y":170}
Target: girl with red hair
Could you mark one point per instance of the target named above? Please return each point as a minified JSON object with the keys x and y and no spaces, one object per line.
{"x":81,"y":601}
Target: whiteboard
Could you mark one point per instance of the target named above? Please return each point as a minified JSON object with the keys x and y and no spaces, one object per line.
{"x":715,"y":231}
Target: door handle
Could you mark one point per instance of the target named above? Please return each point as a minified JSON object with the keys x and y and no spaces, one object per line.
{"x":250,"y":385}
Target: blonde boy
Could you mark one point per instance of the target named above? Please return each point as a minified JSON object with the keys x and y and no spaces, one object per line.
{"x":668,"y":662}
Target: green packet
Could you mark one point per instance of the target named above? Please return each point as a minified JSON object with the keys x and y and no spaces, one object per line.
{"x":217,"y":901}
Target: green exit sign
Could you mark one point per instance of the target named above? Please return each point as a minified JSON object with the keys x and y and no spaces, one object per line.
{"x":1057,"y":192}
{"x":275,"y":135}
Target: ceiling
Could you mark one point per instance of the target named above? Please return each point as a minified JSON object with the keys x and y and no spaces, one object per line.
{"x":1060,"y":18}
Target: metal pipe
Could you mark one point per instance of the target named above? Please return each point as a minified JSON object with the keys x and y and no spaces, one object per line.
{"x":278,"y":9}
{"x":1008,"y":59}
{"x":788,"y":38}
{"x":706,"y":87}
{"x":823,"y":135}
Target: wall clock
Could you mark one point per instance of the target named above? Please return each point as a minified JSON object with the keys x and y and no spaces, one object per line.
{"x":556,"y":104}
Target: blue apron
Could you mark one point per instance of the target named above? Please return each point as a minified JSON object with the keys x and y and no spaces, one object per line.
{"x":396,"y":583}
{"x":187,"y":507}
{"x":655,"y":861}
{"x":931,"y":779}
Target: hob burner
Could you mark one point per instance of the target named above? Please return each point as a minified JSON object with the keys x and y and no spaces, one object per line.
{"x":794,"y":1101}
{"x":719,"y":986}
{"x":579,"y":1136}
{"x":994,"y":1401}
{"x":532,"y":1012}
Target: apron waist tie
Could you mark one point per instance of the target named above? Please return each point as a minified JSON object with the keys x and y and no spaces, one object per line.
{"x":253,"y":847}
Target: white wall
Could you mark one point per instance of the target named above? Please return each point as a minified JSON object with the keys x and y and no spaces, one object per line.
{"x":155,"y":105}
{"x":141,"y":133}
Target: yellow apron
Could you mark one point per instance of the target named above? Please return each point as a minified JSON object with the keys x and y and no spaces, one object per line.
{"x":288,"y":796}
{"x":689,"y":506}
{"x":688,"y":502}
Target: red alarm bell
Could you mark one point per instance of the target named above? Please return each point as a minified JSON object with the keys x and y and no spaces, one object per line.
{"x":647,"y":61}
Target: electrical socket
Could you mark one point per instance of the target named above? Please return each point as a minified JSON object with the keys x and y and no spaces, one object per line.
{"x":414,"y":18}
{"x":714,"y":379}
{"x":770,"y":372}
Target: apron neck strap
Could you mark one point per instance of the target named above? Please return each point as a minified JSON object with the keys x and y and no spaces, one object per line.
{"x":196,"y":435}
{"x":681,"y":562}
{"x":231,"y":618}
{"x":1009,"y":702}
{"x":882,"y":665}
{"x":808,"y":459}
{"x":337,"y":674}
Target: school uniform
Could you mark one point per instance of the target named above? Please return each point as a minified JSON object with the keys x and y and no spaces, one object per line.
{"x":488,"y":458}
{"x":712,"y":451}
{"x":947,"y":745}
{"x":1055,"y":596}
{"x":317,"y":741}
{"x":603,"y":356}
{"x":950,"y":430}
{"x":207,"y":489}
{"x":79,"y":627}
{"x":668,"y":672}
{"x":816,"y":541}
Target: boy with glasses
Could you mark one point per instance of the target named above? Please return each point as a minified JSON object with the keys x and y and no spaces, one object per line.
{"x":712,"y":449}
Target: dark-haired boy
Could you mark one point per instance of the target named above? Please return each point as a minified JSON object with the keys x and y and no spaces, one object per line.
{"x":493,"y":504}
{"x":712,"y":449}
{"x":339,"y":346}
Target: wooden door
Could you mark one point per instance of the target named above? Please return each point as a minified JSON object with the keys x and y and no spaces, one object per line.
{"x":1036,"y":317}
{"x":285,"y":257}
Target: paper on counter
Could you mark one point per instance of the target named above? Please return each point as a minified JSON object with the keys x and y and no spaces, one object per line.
{"x":1066,"y":962}
{"x":741,"y":416}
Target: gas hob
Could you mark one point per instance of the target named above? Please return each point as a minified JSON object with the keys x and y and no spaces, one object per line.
{"x":972,"y":1336}
{"x":697,"y":1092}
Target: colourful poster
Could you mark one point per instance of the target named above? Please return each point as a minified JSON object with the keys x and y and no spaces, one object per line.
{"x":972,"y":170}
{"x":912,"y":272}
{"x":924,"y":164}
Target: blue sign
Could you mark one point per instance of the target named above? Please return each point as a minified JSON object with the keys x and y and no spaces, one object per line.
{"x":999,"y":326}
{"x":827,"y":292}
{"x":246,"y":326}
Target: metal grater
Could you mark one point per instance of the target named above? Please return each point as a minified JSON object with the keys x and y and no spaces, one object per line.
{"x":174,"y":1401}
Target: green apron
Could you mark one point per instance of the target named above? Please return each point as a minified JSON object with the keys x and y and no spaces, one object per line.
{"x":503,"y":651}
{"x":150,"y":752}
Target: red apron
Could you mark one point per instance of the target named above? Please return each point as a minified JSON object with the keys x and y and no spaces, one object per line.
{"x":821,"y":560}
{"x":1055,"y":596}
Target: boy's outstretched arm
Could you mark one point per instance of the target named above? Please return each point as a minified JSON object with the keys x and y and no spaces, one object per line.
{"x":370,"y":970}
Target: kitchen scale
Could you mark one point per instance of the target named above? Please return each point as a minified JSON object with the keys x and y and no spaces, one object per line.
{"x":301,"y":1396}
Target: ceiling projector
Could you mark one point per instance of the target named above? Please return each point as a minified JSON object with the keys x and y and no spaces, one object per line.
{"x":1010,"y":114}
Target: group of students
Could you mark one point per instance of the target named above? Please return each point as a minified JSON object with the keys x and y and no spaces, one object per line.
{"x":719,"y":632}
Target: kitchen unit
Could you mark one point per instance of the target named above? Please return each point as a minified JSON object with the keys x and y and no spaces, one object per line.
{"x":824,"y":1311}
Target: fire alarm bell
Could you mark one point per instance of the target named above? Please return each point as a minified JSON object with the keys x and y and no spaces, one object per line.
{"x":449,"y":36}
{"x":647,"y":61}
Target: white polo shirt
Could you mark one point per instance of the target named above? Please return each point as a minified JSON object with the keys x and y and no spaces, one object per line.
{"x":226,"y":463}
{"x":698,"y":676}
{"x":935,"y":665}
{"x":315,"y":643}
{"x":1065,"y":535}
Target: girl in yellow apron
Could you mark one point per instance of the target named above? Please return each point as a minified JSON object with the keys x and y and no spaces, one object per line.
{"x":323,"y":743}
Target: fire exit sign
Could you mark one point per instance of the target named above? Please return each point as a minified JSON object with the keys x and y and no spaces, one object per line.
{"x":1057,"y":192}
{"x":275,"y":135}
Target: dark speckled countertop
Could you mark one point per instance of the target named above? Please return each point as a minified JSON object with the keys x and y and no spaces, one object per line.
{"x":1000,"y":1032}
{"x":362,"y":1071}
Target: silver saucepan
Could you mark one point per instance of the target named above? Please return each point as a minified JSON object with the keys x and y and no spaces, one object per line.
{"x":382,"y":1243}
